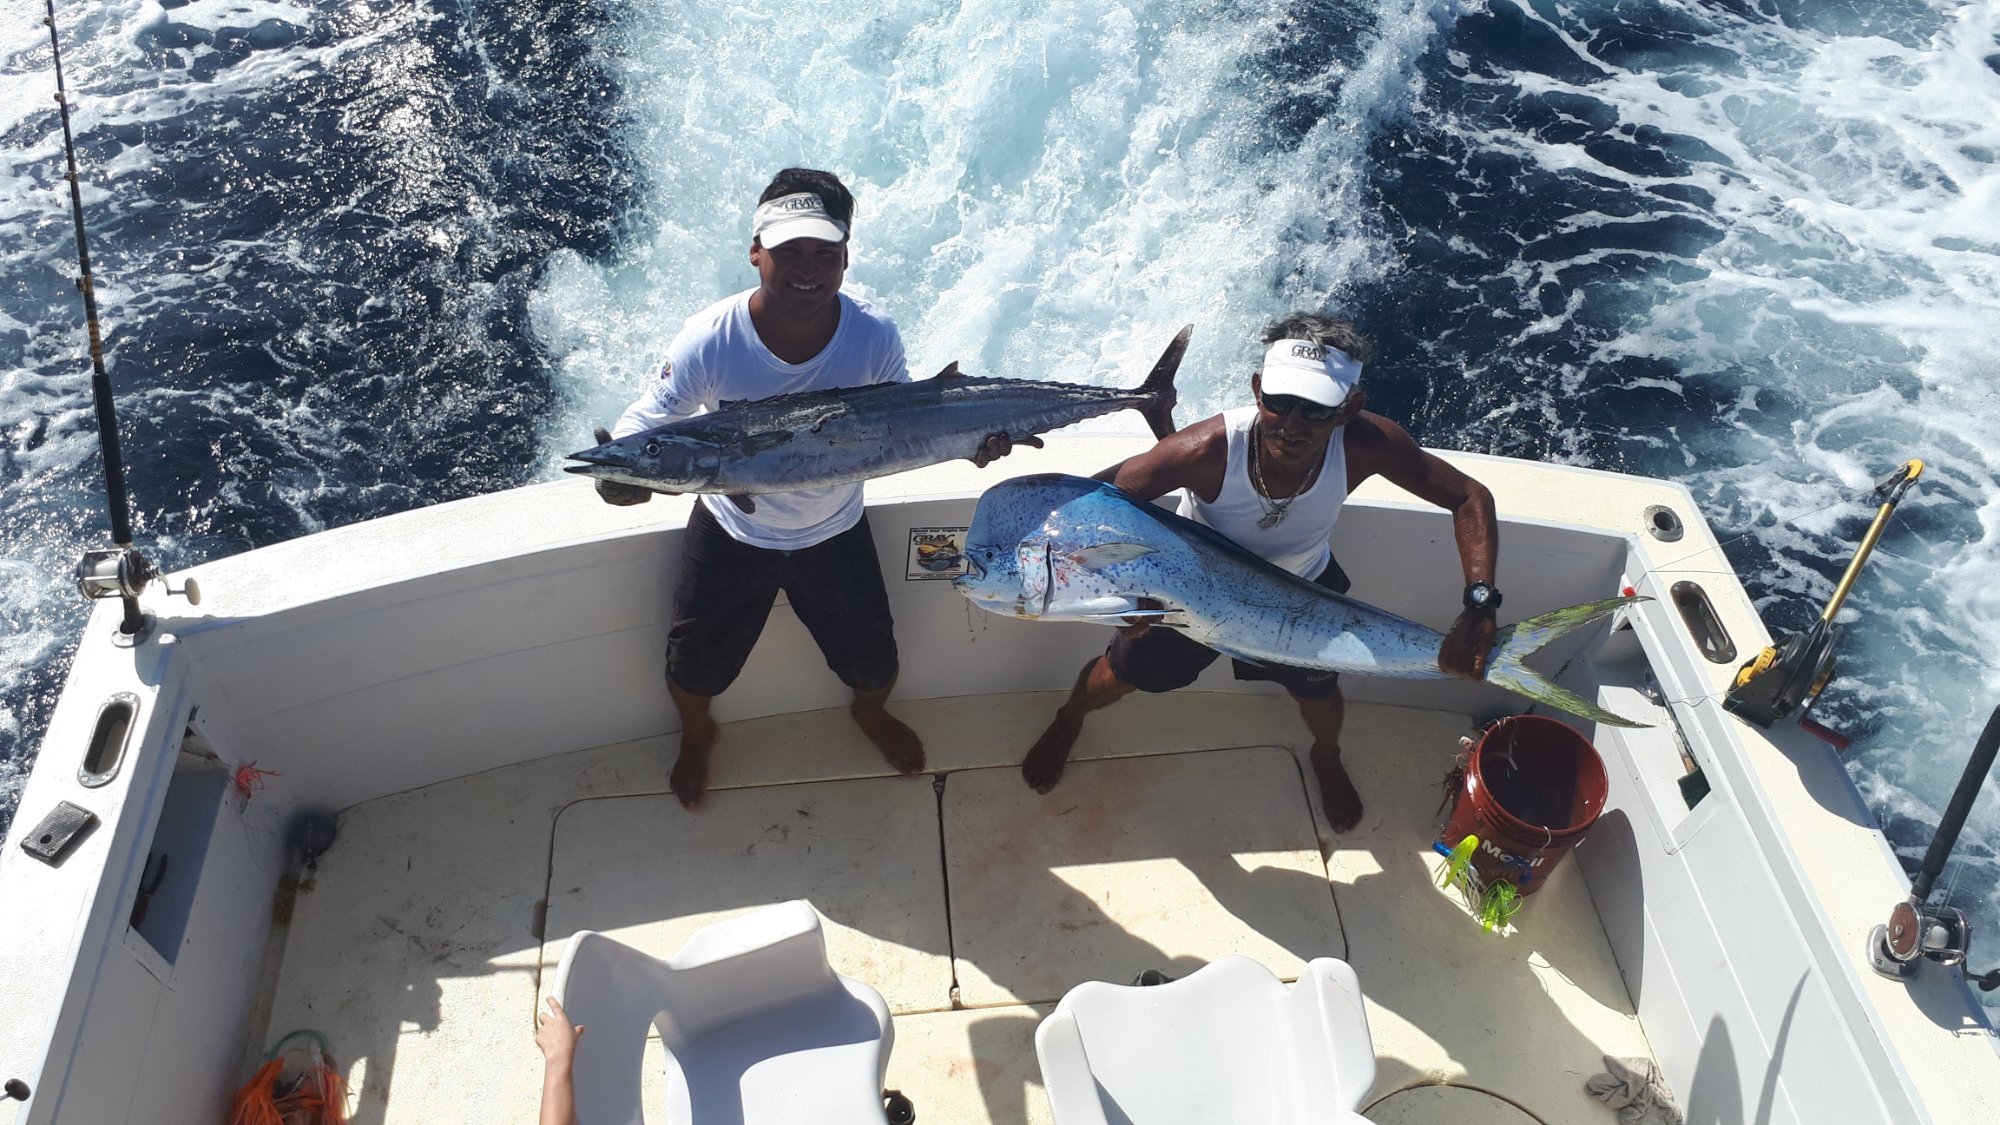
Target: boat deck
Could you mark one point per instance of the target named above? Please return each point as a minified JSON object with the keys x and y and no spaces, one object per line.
{"x":1186,"y":828}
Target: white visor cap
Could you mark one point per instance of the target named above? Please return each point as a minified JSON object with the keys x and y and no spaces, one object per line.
{"x":803,"y":215}
{"x":1322,"y":374}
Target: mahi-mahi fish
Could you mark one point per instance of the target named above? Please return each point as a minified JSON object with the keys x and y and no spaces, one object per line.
{"x":817,"y":439}
{"x":1051,"y":546}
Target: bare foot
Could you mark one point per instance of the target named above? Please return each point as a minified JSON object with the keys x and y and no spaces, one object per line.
{"x":1336,"y":791}
{"x":1044,"y":765}
{"x":690,"y":777}
{"x":899,"y":745}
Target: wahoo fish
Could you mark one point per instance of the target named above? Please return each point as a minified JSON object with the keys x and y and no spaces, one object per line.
{"x":1060,"y":547}
{"x":818,"y":439}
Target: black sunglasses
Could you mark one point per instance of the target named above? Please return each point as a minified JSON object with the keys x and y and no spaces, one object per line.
{"x":1282,"y":405}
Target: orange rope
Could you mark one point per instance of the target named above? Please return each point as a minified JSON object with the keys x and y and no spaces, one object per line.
{"x":319,"y":1098}
{"x":253,"y":1104}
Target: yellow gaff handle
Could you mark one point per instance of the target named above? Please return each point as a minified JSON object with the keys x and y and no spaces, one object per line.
{"x":1891,"y":490}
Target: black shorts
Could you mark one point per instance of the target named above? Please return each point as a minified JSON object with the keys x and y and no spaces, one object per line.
{"x":1162,"y":659}
{"x":727,"y":588}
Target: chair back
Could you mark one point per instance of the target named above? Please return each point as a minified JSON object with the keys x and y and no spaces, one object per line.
{"x":756,"y":1024}
{"x":1229,"y":1042}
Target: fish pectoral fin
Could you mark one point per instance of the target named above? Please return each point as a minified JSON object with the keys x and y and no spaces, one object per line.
{"x":768,"y":440}
{"x":1167,"y":617}
{"x":1108,"y":554}
{"x":742,"y":502}
{"x":1106,"y":606}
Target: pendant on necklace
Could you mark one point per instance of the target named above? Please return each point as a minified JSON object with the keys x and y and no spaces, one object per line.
{"x":1271,"y":519}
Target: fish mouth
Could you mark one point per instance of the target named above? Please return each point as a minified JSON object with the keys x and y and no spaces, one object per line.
{"x":593,"y":466}
{"x":593,"y":458}
{"x":994,"y":597}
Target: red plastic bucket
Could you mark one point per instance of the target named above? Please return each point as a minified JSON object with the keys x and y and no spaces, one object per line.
{"x":1532,"y":787}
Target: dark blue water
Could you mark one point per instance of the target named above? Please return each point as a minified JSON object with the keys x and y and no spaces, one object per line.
{"x":315,"y":242}
{"x":355,"y":259}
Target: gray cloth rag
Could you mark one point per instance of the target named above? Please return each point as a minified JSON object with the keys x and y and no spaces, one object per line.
{"x":1635,"y":1089}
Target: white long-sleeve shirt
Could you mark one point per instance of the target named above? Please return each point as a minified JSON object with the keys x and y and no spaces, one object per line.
{"x":718,"y":357}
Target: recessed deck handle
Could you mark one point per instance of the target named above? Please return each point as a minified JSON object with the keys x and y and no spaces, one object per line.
{"x":1698,"y":614}
{"x":107,"y":741}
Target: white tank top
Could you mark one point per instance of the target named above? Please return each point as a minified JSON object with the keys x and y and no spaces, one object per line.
{"x":1299,"y":542}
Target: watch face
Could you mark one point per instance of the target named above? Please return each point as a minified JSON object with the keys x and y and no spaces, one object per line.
{"x":1479,"y":595}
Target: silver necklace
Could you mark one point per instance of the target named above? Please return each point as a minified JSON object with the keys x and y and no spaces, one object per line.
{"x":1274,"y":508}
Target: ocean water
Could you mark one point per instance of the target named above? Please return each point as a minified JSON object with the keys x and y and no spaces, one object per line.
{"x":355,"y":258}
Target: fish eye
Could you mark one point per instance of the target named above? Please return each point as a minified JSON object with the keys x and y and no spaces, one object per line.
{"x":652,"y":449}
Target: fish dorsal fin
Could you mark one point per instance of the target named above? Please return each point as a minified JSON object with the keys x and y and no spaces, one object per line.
{"x":722,"y":404}
{"x":769,"y":439}
{"x":743,"y":503}
{"x":950,"y":371}
{"x":1108,"y":554}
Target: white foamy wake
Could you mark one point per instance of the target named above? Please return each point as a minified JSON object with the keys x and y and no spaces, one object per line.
{"x":1852,"y":308}
{"x":1045,"y":190}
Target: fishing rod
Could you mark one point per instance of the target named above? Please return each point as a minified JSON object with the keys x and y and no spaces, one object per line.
{"x":121,"y":571}
{"x":1775,"y":683}
{"x":1916,"y":929}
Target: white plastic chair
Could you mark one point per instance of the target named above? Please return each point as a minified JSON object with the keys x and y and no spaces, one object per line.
{"x":757,"y":1026}
{"x":1229,"y":1042}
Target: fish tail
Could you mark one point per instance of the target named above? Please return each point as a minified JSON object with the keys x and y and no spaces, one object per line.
{"x":1159,"y":386}
{"x":1517,"y":642}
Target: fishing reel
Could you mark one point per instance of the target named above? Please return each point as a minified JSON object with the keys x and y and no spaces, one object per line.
{"x":1778,"y":682}
{"x":1913,"y":932}
{"x":121,"y":572}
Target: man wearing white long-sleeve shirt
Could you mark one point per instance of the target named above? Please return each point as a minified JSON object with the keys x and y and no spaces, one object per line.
{"x":796,"y":331}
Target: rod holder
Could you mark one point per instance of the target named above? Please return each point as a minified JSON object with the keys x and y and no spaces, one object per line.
{"x":122,"y":572}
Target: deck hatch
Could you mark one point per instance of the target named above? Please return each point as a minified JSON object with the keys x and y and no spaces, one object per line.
{"x":1154,"y":862}
{"x":864,"y":852}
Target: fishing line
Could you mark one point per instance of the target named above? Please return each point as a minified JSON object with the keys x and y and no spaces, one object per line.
{"x":1721,"y":543}
{"x":1951,"y":884}
{"x":1699,"y":699}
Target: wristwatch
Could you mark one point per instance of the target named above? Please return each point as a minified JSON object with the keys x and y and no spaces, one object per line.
{"x":1482,"y":595}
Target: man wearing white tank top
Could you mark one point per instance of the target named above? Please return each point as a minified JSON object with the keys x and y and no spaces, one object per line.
{"x":1273,"y":476}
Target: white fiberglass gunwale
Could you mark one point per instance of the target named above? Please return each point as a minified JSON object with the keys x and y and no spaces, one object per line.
{"x":416,"y":653}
